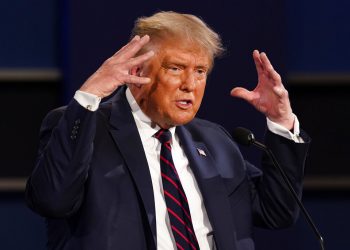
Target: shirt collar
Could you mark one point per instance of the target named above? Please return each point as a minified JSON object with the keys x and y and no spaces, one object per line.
{"x":143,"y":120}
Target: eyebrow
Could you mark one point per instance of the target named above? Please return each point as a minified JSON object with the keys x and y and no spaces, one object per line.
{"x":180,"y":62}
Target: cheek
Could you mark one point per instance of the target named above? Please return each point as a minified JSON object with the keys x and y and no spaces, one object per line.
{"x":200,"y":91}
{"x":167,"y":89}
{"x":142,"y":96}
{"x":159,"y":99}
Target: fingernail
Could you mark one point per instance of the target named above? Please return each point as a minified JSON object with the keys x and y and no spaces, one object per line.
{"x":137,"y":37}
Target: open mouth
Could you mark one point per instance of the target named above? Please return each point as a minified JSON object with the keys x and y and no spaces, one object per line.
{"x":184,"y":104}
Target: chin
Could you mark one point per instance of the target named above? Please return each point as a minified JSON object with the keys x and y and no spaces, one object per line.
{"x":182,"y":120}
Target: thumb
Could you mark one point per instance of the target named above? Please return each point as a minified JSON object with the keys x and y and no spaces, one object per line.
{"x":242,"y":93}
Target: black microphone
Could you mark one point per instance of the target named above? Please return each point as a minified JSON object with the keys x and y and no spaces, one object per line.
{"x":245,"y":137}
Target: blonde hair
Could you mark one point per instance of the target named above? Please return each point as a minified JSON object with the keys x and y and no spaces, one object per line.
{"x":165,"y":24}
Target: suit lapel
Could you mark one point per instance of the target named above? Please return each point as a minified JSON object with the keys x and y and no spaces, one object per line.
{"x":125,"y":134}
{"x":212,"y":188}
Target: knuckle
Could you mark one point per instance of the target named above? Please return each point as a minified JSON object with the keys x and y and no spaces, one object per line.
{"x":108,"y":61}
{"x":276,"y":77}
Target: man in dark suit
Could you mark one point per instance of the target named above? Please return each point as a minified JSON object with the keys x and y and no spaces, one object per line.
{"x":100,"y":178}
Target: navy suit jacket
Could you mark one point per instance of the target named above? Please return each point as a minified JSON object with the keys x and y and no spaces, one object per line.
{"x":93,"y":185}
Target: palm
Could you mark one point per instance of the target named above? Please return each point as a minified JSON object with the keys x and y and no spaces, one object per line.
{"x":269,"y":96}
{"x":119,"y":69}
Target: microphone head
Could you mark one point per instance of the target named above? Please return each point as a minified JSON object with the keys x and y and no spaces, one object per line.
{"x":243,"y":136}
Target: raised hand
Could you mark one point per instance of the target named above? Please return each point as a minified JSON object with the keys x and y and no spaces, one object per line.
{"x":116,"y":70}
{"x":269,"y":96}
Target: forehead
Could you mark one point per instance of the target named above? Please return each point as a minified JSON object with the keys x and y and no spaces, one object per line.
{"x":182,"y":51}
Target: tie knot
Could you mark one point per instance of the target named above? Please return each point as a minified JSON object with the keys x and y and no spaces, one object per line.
{"x":163,"y":135}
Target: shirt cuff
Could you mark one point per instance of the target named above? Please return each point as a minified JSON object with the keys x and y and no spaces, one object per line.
{"x":282,"y":131}
{"x":87,"y":100}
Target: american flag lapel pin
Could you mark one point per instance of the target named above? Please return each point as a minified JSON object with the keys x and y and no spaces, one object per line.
{"x":201,"y":152}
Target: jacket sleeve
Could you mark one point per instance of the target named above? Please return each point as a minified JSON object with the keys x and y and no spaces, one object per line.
{"x":273,"y":204}
{"x":56,"y":185}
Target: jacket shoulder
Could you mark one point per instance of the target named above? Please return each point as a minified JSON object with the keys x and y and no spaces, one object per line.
{"x":202,"y":125}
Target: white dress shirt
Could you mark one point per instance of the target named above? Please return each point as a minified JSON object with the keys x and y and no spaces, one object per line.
{"x":151,"y":145}
{"x":152,"y":148}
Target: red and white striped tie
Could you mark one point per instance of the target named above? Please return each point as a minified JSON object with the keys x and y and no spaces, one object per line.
{"x":175,"y":198}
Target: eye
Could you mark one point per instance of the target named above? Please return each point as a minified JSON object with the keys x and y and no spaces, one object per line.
{"x":201,"y":72}
{"x":173,"y":69}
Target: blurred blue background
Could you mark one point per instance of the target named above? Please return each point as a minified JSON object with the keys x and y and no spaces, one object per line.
{"x":48,"y":48}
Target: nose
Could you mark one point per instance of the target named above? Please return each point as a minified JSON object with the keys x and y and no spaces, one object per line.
{"x":188,"y":82}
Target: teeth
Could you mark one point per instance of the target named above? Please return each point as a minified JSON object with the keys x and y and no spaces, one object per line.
{"x":183,"y":102}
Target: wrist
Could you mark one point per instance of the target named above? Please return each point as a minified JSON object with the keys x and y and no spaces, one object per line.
{"x":286,"y":122}
{"x":91,"y":91}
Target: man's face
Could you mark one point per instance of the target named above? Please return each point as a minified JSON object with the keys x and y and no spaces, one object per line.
{"x":178,"y":73}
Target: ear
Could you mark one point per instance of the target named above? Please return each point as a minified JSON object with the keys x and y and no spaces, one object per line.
{"x":135,"y":71}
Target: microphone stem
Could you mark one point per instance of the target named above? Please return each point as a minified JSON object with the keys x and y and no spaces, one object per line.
{"x":291,"y":190}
